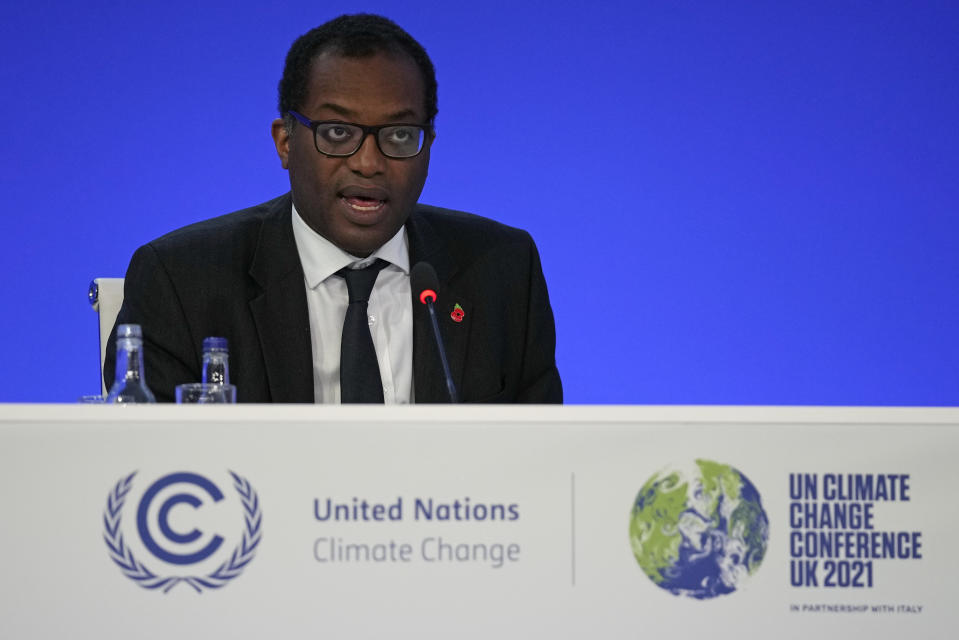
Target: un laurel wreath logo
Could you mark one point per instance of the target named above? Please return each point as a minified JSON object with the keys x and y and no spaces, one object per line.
{"x":122,"y":555}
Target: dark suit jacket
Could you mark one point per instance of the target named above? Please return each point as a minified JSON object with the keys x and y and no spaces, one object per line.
{"x":239,"y":276}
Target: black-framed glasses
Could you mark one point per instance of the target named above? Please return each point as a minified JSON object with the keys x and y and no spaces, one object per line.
{"x":341,"y":139}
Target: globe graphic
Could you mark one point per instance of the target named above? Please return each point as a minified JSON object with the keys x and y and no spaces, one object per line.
{"x":699,"y":532}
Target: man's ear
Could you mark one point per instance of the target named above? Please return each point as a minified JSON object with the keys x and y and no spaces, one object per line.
{"x":281,"y":138}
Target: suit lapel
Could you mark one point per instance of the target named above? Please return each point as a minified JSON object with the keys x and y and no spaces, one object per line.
{"x":428,"y":380}
{"x":279,"y":311}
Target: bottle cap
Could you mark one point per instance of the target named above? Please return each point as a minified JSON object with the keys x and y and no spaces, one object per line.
{"x":129,"y":331}
{"x":214,"y":344}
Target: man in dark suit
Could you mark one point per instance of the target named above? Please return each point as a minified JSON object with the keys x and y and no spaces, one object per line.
{"x":357,"y":105}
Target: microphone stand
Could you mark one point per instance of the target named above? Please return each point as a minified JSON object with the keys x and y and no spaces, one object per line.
{"x":454,"y":397}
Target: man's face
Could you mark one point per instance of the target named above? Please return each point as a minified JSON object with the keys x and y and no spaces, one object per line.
{"x":358,"y":202}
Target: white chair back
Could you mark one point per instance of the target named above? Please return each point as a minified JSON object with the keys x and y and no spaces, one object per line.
{"x":106,"y":296}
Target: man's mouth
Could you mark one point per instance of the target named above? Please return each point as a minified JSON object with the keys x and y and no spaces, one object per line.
{"x":362,"y":203}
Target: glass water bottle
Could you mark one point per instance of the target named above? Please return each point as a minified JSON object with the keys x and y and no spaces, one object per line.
{"x":216,"y":365}
{"x":129,"y":385}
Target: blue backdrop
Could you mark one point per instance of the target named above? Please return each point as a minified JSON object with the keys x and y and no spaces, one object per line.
{"x":735,"y":202}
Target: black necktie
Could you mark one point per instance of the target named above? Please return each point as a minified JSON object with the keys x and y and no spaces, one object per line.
{"x":359,"y":373}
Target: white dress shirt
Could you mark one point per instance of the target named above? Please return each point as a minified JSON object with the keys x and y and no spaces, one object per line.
{"x":390,"y":312}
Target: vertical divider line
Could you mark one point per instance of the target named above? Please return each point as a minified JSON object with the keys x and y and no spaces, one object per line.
{"x":572,"y":525}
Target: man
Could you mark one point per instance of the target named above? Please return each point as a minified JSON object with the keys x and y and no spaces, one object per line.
{"x":357,"y":103}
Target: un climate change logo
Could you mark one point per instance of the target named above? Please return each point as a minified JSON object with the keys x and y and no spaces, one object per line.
{"x":163,"y":529}
{"x":699,"y":532}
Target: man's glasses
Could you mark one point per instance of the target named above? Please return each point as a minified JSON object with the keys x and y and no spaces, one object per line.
{"x":342,"y":139}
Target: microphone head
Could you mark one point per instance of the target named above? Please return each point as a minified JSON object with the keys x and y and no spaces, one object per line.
{"x":424,"y":282}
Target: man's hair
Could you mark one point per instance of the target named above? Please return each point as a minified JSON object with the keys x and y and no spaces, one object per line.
{"x":352,"y":36}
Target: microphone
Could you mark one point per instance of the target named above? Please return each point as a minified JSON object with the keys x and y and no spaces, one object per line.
{"x":425,"y":283}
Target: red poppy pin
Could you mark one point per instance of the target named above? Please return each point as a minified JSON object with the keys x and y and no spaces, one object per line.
{"x":457,"y":313}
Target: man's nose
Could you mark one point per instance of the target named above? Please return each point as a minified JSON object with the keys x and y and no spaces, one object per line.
{"x":367,"y":161}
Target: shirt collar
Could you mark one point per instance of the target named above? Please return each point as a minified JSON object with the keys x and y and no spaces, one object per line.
{"x":321,"y":258}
